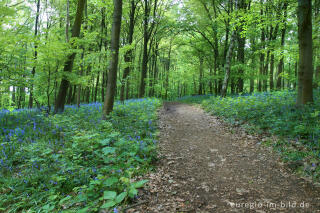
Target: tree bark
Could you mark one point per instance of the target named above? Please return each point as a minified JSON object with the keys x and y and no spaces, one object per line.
{"x":241,"y":45}
{"x":200,"y":92}
{"x":145,"y":49}
{"x":228,"y":65}
{"x":305,"y":73}
{"x":61,"y":99}
{"x":283,"y":34}
{"x":128,"y":55}
{"x":33,"y":72}
{"x":113,"y":65}
{"x":67,"y":21}
{"x":262,"y":55}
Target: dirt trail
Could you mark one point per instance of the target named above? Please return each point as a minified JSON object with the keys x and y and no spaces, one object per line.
{"x":205,"y":168}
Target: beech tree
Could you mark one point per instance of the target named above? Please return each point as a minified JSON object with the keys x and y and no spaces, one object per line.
{"x":305,"y":75}
{"x":113,"y":65}
{"x":64,"y":85}
{"x":52,"y":54}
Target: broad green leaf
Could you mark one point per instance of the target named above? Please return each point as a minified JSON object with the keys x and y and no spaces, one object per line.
{"x":133,"y":192}
{"x":108,"y":150}
{"x":109,"y":195}
{"x":84,"y":210}
{"x":64,"y":199}
{"x":108,"y":204}
{"x":121,"y":197}
{"x":110,"y":181}
{"x":139,"y":184}
{"x":105,"y":142}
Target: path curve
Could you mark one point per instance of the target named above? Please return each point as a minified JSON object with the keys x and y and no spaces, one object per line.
{"x":205,"y":168}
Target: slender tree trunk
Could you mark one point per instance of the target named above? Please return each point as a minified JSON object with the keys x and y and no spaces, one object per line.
{"x":262,"y":55}
{"x":67,"y":21}
{"x":252,"y":78}
{"x":96,"y":88}
{"x":61,"y":99}
{"x":265,"y":80}
{"x":317,"y":76}
{"x":13,"y":97}
{"x":280,"y":65}
{"x":283,"y":34}
{"x":113,"y":65}
{"x":241,"y":45}
{"x":69,"y":95}
{"x":33,"y":72}
{"x":128,"y":55}
{"x":145,"y":49}
{"x":210,"y":81}
{"x":228,"y":65}
{"x":200,"y":92}
{"x":273,"y":37}
{"x":241,"y":59}
{"x":305,"y":75}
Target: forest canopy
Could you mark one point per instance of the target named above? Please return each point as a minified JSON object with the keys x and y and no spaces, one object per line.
{"x":167,"y":49}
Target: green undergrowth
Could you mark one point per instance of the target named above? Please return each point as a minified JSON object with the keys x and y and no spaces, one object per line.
{"x":75,"y":161}
{"x":298,"y":128}
{"x":193,"y":99}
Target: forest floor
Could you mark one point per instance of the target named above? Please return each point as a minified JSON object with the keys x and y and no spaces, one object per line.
{"x":205,"y":166}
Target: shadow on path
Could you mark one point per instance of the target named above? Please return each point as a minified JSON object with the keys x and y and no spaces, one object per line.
{"x":205,"y":168}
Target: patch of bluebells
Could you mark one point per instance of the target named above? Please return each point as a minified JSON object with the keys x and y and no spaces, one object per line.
{"x":35,"y":144}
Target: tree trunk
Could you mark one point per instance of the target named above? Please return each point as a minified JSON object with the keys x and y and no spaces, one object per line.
{"x":145,"y":49}
{"x":265,"y":73}
{"x":113,"y":65}
{"x":61,"y":99}
{"x":317,"y":76}
{"x":252,"y":78}
{"x":228,"y":65}
{"x":96,"y":88}
{"x":128,"y":55}
{"x":273,"y":37}
{"x":200,"y":92}
{"x":69,"y":95}
{"x":33,"y":72}
{"x":241,"y":59}
{"x":283,"y":34}
{"x":262,"y":55}
{"x":241,"y":45}
{"x":305,"y":74}
{"x":67,"y":21}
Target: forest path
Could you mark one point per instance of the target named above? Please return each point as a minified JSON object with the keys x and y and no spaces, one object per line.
{"x":205,"y":168}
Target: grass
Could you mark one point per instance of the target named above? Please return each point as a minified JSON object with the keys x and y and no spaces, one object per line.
{"x":74,"y":161}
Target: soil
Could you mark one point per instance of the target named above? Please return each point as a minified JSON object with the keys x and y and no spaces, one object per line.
{"x":206,"y":167}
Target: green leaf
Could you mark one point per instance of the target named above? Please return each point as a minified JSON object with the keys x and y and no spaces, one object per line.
{"x":108,"y":204}
{"x":64,"y":199}
{"x":109,"y":195}
{"x":108,"y":150}
{"x":132,"y":192}
{"x":105,"y":142}
{"x":110,"y":181}
{"x":84,"y":210}
{"x":121,"y":197}
{"x":139,"y":184}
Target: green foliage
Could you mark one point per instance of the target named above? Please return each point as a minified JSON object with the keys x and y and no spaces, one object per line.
{"x":196,"y":99}
{"x":276,"y":113}
{"x":75,"y":161}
